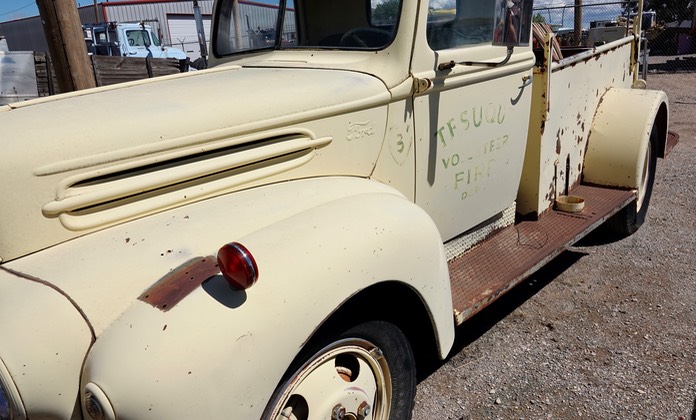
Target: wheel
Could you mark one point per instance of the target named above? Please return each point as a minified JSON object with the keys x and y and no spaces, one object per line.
{"x":366,"y":38}
{"x":631,"y":217}
{"x":366,"y":372}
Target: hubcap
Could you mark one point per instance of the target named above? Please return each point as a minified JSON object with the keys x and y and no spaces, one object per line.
{"x":347,"y":380}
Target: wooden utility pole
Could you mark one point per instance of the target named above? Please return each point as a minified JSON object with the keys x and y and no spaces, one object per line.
{"x":66,"y":44}
{"x":577,"y":29}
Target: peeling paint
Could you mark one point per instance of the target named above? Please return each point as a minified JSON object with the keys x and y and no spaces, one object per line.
{"x":558,"y":142}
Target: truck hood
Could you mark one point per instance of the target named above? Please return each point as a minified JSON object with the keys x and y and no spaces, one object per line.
{"x":79,"y":162}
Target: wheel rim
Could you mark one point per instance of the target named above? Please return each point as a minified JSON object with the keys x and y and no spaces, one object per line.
{"x":347,"y":380}
{"x":645,"y":178}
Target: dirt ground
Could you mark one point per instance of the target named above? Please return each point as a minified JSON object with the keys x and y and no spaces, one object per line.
{"x":606,"y":331}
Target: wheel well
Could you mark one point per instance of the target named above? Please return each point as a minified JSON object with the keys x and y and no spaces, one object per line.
{"x":393,"y":302}
{"x":661,"y":123}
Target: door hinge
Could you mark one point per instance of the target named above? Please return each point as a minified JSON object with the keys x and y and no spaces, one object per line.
{"x":421,"y":85}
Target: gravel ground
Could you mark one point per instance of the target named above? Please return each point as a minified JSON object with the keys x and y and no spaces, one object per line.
{"x":603,"y":332}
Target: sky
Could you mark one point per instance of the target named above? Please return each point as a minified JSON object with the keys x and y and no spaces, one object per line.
{"x":17,"y":9}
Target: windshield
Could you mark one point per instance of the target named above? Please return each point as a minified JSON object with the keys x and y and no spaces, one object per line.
{"x":284,"y":24}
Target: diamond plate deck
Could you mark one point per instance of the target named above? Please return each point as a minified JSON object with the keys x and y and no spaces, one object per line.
{"x":496,"y":265}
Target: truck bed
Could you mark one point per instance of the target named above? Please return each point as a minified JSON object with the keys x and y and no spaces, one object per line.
{"x":484,"y":273}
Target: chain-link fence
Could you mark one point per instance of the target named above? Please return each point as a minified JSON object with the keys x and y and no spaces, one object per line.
{"x":669,"y":30}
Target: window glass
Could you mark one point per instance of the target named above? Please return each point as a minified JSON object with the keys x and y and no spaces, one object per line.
{"x":384,"y":12}
{"x":155,"y":40}
{"x":457,"y":23}
{"x":333,"y":24}
{"x":138,"y":38}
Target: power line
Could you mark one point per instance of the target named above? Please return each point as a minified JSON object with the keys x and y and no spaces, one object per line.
{"x":17,"y":10}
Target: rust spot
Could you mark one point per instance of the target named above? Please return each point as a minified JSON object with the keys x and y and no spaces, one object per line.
{"x":558,"y":142}
{"x":180,"y":282}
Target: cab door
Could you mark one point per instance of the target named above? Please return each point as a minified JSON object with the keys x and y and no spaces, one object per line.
{"x":471,"y":108}
{"x":139,"y":43}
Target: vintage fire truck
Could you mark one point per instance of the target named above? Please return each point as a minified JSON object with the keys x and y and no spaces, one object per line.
{"x":283,"y":235}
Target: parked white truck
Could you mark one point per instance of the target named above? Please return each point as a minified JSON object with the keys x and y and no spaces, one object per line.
{"x":281,"y":236}
{"x":127,"y":39}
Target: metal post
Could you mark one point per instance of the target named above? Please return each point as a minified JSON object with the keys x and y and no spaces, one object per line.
{"x":96,"y":12}
{"x":577,"y":29}
{"x":198,"y":17}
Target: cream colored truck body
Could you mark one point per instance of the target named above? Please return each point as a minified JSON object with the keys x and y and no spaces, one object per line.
{"x":349,"y":174}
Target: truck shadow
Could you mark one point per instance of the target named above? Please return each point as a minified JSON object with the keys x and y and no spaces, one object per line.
{"x":476,"y":326}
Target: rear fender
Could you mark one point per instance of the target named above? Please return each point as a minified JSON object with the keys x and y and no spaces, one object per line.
{"x":620,"y":133}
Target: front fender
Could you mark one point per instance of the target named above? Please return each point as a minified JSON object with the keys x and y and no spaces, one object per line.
{"x":220,"y":352}
{"x":620,"y":133}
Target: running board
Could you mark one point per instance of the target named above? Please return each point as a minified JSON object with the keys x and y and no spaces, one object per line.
{"x":496,"y":265}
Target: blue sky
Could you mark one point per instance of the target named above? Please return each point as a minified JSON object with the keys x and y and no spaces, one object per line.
{"x":17,"y":9}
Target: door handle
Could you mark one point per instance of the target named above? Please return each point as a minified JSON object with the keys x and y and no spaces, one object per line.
{"x":526,"y":81}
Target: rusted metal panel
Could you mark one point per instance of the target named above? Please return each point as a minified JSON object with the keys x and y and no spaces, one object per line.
{"x":180,"y":282}
{"x":496,"y":265}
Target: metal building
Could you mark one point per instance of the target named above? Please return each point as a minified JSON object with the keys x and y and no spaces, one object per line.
{"x":173,"y":21}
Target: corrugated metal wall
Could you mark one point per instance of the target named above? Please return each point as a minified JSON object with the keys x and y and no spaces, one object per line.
{"x":136,"y":12}
{"x":24,"y":34}
{"x":27,"y":34}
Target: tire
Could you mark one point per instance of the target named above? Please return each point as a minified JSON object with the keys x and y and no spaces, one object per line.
{"x":375,"y":358}
{"x":630,"y":218}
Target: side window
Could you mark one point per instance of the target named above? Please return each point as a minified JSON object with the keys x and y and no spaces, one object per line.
{"x":138,"y":38}
{"x":457,"y":23}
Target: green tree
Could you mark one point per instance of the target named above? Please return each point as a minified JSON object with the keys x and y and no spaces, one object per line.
{"x":539,"y":18}
{"x":386,"y":12}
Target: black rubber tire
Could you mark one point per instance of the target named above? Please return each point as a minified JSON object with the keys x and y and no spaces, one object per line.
{"x":395,"y":348}
{"x":630,"y":218}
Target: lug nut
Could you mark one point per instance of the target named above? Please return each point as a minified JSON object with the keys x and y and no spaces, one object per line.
{"x":364,"y":410}
{"x":338,"y":413}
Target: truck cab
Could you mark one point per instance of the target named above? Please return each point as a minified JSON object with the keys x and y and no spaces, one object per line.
{"x":347,"y":183}
{"x":128,"y":40}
